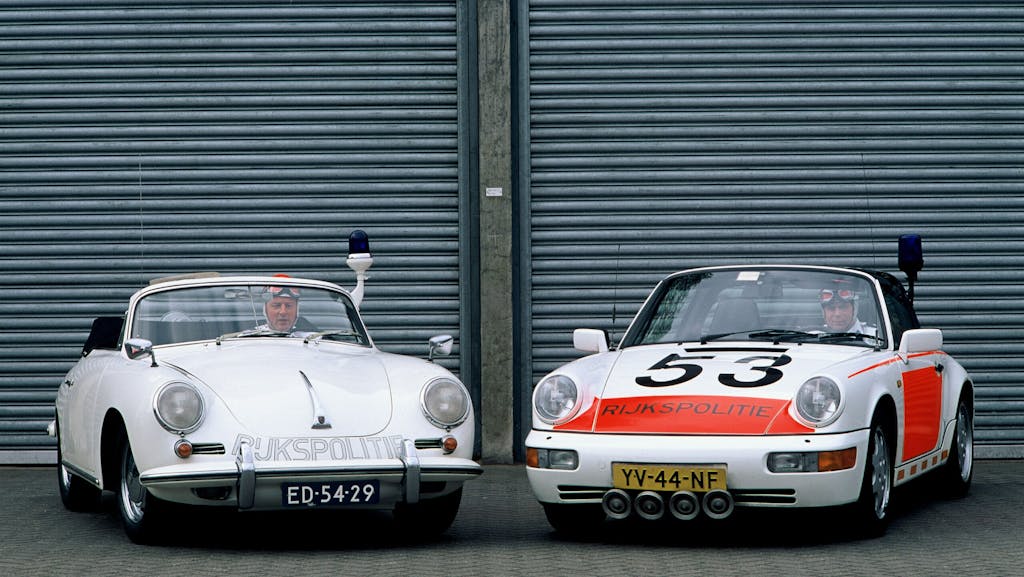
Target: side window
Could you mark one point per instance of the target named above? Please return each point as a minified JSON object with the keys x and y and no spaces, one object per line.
{"x":901,"y":314}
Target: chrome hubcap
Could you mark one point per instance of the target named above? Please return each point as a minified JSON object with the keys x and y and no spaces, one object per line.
{"x":964,"y":442}
{"x":880,"y":481}
{"x":133,"y":496}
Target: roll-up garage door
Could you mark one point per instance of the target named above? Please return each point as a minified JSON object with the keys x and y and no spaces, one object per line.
{"x":144,"y":139}
{"x":666,"y":135}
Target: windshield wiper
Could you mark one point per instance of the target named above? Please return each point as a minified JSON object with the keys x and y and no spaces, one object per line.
{"x":849,"y":337}
{"x":257,"y":332}
{"x":704,"y":339}
{"x":779,"y":335}
{"x":335,"y":333}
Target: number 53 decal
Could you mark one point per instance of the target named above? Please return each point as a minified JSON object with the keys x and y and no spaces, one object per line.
{"x":674,"y":362}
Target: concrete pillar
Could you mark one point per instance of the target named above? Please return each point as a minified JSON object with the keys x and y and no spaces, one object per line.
{"x":495,"y":213}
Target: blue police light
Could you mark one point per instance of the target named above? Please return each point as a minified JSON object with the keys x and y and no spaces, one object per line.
{"x":358,"y":243}
{"x":911,"y":259}
{"x":911,"y":255}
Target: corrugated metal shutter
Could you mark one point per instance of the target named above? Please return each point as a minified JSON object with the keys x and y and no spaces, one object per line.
{"x":139,"y":140}
{"x":671,"y":134}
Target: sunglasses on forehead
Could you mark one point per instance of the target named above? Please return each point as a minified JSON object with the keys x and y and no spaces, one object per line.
{"x":836,"y":296}
{"x":283,"y":291}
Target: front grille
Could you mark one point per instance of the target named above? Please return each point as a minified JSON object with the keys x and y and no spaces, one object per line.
{"x":578,"y":493}
{"x":428,"y":443}
{"x":764,"y":496}
{"x":207,"y":449}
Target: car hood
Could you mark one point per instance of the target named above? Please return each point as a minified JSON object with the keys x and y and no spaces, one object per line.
{"x":711,"y":389}
{"x":282,"y":387}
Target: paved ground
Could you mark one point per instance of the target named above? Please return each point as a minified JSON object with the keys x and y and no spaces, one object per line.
{"x":501,"y":530}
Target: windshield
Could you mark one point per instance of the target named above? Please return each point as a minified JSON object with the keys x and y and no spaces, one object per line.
{"x":236,"y":311}
{"x":763,"y":304}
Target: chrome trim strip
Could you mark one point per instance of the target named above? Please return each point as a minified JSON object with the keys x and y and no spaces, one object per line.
{"x":246,"y":476}
{"x":80,"y":473}
{"x":412,"y":471}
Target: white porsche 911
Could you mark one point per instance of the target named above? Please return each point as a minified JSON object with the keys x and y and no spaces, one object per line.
{"x":754,"y":386}
{"x":260,"y":393}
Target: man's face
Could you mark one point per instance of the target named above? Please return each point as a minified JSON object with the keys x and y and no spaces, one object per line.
{"x":838,"y":315}
{"x":281,"y":313}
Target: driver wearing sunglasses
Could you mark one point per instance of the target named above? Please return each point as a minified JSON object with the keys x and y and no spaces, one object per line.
{"x":839,"y":307}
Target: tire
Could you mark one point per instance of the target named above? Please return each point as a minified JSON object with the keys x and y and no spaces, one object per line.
{"x":871,"y":511}
{"x":955,"y":476}
{"x":141,"y":513}
{"x":429,"y":517}
{"x":574,"y":520}
{"x":76,"y":493}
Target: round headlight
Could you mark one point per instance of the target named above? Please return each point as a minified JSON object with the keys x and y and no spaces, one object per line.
{"x":556,"y":399}
{"x":818,"y":401}
{"x":445,"y":402}
{"x":179,"y":407}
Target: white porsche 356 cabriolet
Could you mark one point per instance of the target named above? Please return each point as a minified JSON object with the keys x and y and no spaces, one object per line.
{"x":260,"y":393}
{"x":756,"y":386}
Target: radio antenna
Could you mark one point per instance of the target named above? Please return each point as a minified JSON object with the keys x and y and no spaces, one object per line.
{"x":142,"y":230}
{"x":615,"y":286}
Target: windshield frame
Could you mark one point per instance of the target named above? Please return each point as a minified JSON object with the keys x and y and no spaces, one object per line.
{"x":638,"y":331}
{"x":254,"y":300}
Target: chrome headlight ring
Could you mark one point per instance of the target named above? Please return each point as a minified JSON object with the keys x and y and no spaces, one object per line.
{"x":445,"y":402}
{"x":556,"y":399}
{"x":818,"y":402}
{"x":179,"y":407}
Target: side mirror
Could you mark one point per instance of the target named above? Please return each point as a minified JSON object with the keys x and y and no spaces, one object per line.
{"x":590,"y":340}
{"x":440,"y":346}
{"x":920,"y":341}
{"x":138,"y":348}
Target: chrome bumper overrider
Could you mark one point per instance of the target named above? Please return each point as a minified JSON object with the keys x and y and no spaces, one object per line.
{"x":250,"y":479}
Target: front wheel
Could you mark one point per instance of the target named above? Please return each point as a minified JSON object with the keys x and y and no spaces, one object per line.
{"x":141,"y":512}
{"x":429,"y":517}
{"x":955,"y":476}
{"x":871,"y":511}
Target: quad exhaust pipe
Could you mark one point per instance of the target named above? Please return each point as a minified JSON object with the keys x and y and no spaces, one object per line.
{"x":617,"y":504}
{"x":649,"y":505}
{"x":683,"y":505}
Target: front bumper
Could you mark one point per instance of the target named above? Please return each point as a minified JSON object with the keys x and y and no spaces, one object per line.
{"x":252,"y":485}
{"x":748,"y":479}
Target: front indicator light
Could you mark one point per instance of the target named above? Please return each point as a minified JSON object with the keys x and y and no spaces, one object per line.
{"x":837,"y":460}
{"x":449,"y":444}
{"x":532,"y":459}
{"x":183,"y":449}
{"x":816,"y":462}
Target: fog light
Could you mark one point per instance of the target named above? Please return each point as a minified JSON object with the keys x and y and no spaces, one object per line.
{"x":817,"y":462}
{"x":563,"y":459}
